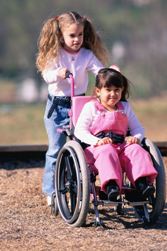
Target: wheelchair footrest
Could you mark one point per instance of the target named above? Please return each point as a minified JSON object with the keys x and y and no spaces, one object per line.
{"x":108,"y":203}
{"x":138,"y":203}
{"x":116,"y":203}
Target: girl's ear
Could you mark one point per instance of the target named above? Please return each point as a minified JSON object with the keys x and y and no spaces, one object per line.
{"x":97,"y":92}
{"x":61,"y":40}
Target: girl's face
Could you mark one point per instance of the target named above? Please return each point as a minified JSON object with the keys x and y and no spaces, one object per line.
{"x":109,"y":96}
{"x":73,"y":37}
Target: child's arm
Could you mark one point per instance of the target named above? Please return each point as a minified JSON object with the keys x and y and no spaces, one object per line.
{"x":82,"y":128}
{"x":135,"y":127}
{"x":52,"y":75}
{"x":94,"y":65}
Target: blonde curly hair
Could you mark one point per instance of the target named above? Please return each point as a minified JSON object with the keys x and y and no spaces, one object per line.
{"x":50,"y":38}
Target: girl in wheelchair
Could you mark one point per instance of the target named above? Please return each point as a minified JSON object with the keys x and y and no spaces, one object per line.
{"x":104,"y":124}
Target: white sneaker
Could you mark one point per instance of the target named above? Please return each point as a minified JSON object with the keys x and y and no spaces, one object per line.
{"x":49,"y":200}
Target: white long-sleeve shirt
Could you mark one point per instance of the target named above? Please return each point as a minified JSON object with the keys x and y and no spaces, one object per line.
{"x":79,"y":64}
{"x":89,"y":114}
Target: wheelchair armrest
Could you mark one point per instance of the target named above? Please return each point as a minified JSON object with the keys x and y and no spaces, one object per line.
{"x":83,"y":145}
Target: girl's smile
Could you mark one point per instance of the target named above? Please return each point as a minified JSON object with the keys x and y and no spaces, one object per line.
{"x":109,"y":97}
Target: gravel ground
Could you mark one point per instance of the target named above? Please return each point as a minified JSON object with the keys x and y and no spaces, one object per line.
{"x":26,"y":222}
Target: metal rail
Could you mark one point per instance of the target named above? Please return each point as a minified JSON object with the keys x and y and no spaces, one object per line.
{"x":22,"y":156}
{"x":31,"y":156}
{"x":162,"y":145}
{"x":21,"y":152}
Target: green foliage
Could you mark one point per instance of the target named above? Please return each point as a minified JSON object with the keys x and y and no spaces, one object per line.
{"x":140,"y":29}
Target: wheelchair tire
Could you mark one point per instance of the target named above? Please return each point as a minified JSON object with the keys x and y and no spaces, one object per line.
{"x":157,"y":202}
{"x":54,"y":206}
{"x":72,"y":184}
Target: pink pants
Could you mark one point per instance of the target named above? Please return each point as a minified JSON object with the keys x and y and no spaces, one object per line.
{"x":112,"y":160}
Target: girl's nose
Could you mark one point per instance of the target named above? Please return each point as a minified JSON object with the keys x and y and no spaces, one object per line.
{"x":112,"y":93}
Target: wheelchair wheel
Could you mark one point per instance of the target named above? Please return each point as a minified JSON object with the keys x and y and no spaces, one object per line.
{"x":54,"y":206}
{"x":72,"y":184}
{"x":157,"y":202}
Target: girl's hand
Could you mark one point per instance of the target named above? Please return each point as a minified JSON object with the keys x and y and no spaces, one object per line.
{"x":105,"y":140}
{"x":132,"y":140}
{"x":61,"y":73}
{"x":115,"y":67}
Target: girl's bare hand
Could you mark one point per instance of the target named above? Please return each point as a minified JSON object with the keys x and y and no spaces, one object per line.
{"x":115,"y":67}
{"x":103,"y":141}
{"x":62,"y":73}
{"x":132,"y":140}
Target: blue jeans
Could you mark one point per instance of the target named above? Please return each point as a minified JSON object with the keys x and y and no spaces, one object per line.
{"x":55,"y":141}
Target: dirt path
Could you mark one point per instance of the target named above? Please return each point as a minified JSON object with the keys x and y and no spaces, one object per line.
{"x":26,"y":222}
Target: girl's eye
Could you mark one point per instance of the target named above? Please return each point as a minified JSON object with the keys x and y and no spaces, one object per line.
{"x":115,"y":90}
{"x":73,"y":35}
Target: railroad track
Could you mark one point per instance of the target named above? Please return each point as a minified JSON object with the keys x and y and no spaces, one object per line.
{"x":12,"y":156}
{"x":22,"y":156}
{"x":162,"y":145}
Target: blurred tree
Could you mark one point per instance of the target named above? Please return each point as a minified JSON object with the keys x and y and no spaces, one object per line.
{"x":134,"y":31}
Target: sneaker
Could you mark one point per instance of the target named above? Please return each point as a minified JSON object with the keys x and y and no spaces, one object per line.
{"x":143,"y":187}
{"x":133,"y":195}
{"x":49,"y":200}
{"x":102,"y":195}
{"x":112,"y":191}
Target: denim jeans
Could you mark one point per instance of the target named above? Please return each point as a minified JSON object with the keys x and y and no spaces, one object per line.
{"x":55,"y":141}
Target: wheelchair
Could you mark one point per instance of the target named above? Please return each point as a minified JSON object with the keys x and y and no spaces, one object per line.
{"x":76,"y":189}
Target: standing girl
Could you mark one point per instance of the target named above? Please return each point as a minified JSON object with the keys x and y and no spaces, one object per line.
{"x":67,"y":42}
{"x":103,"y":124}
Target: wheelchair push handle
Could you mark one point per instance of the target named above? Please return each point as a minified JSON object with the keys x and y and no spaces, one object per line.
{"x":70,"y":76}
